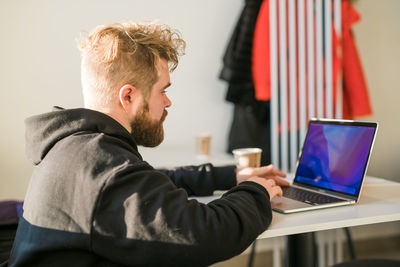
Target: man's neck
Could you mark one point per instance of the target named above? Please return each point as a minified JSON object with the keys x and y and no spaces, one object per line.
{"x":120,"y":118}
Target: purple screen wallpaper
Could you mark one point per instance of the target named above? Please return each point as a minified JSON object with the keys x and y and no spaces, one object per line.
{"x":334,"y":157}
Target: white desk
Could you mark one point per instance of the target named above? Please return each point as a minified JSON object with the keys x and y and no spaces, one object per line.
{"x":379,"y":202}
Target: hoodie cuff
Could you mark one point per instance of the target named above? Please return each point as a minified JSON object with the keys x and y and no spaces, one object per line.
{"x":224,"y":177}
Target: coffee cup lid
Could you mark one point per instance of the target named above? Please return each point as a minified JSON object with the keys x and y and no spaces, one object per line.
{"x":243,"y":151}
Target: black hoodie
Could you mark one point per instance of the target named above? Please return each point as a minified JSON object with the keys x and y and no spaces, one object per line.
{"x":93,"y":201}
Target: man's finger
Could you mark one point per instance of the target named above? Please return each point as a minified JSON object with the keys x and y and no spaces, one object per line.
{"x":279,"y":173}
{"x":268,"y":170}
{"x":279,"y":190}
{"x":277,"y":180}
{"x":275,"y":191}
{"x":262,"y":171}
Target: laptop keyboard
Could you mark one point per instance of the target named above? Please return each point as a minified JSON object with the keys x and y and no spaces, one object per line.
{"x":307,"y":196}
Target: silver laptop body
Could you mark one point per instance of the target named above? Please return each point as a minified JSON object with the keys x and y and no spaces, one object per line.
{"x":331,"y":167}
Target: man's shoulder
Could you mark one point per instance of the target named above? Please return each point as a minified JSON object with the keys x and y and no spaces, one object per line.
{"x":96,"y":150}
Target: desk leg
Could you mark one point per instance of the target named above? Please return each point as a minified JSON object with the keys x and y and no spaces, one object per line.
{"x":301,"y":250}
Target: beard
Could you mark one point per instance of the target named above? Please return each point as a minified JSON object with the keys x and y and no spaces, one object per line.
{"x":146,"y":131}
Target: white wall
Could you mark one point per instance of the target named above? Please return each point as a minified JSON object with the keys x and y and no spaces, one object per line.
{"x":378,"y":40}
{"x":40,"y":68}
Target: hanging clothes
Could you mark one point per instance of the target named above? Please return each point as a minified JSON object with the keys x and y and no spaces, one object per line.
{"x":237,"y":61}
{"x":355,"y":92}
{"x":356,"y":100}
{"x":261,"y":67}
{"x":250,"y":115}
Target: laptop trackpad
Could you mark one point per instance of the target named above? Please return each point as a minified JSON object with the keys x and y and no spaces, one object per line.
{"x":283,"y":204}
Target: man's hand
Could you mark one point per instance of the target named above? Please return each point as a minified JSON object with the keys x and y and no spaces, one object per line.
{"x":266,"y":176}
{"x":269,"y":184}
{"x":267,"y":172}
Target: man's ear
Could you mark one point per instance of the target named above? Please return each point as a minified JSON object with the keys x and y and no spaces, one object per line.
{"x":128,"y":96}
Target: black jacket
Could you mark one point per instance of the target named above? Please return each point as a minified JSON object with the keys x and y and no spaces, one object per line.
{"x":237,"y":63}
{"x":93,"y":201}
{"x":250,"y":123}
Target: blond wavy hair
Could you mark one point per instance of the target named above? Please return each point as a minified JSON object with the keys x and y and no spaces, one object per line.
{"x":126,"y":53}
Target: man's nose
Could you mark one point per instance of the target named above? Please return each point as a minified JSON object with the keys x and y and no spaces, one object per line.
{"x":168,"y":102}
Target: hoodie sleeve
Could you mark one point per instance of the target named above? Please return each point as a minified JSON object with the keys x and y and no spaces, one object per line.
{"x":202,"y":180}
{"x":141,"y":218}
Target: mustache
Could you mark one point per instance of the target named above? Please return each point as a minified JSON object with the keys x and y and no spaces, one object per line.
{"x":165,"y":113}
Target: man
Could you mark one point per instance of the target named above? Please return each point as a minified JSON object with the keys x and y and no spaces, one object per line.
{"x":93,"y":200}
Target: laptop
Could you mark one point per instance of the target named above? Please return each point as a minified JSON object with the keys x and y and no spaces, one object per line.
{"x":331,"y":167}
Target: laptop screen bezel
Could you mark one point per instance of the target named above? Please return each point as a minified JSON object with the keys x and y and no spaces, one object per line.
{"x":338,"y":122}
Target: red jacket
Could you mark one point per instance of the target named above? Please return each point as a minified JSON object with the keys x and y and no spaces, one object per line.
{"x":355,"y":92}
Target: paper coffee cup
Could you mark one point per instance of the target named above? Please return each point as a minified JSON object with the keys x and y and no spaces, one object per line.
{"x":247,"y":157}
{"x":203,"y":142}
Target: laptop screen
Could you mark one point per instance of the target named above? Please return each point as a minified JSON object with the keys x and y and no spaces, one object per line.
{"x":335,"y":155}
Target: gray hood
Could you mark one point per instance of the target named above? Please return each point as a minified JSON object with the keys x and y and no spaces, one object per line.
{"x":45,"y":130}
